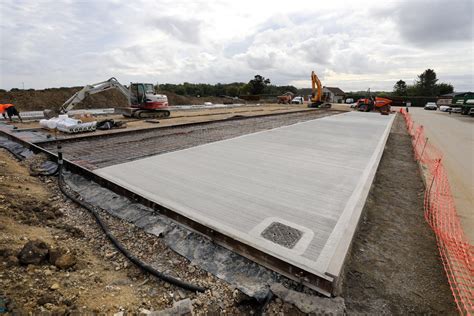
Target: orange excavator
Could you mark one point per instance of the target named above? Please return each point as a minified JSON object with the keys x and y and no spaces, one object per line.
{"x":316,"y":93}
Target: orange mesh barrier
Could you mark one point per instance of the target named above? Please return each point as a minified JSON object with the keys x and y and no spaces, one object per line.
{"x":440,"y":213}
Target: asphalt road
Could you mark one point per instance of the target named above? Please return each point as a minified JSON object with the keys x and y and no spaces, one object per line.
{"x":454,"y":136}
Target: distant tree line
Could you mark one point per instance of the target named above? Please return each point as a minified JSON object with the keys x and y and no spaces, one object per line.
{"x":426,"y":85}
{"x":256,"y":86}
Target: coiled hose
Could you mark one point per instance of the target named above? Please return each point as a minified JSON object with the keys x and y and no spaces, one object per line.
{"x":117,"y":244}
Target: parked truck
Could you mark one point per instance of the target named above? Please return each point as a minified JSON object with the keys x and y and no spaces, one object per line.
{"x":466,"y":102}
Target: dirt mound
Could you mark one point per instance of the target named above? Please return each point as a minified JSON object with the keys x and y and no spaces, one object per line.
{"x":53,"y":98}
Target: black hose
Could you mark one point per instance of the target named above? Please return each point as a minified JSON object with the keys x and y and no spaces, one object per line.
{"x":121,"y":248}
{"x":263,"y":305}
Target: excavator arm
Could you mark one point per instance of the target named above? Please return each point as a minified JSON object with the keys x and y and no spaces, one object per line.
{"x":316,"y":89}
{"x":316,"y":93}
{"x":112,"y":83}
{"x":141,"y":102}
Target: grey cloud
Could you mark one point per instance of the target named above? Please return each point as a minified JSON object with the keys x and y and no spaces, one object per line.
{"x":185,"y":30}
{"x":261,"y":61}
{"x":355,"y":62}
{"x":78,"y":42}
{"x":317,"y":50}
{"x":238,"y":47}
{"x":433,"y":22}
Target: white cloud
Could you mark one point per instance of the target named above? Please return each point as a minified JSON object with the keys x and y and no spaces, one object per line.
{"x":353,"y":46}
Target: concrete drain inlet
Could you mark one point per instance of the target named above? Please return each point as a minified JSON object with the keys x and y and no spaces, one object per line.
{"x":282,"y":234}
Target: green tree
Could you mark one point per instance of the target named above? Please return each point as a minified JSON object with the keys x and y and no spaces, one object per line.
{"x":412,"y":90}
{"x":284,"y":89}
{"x":258,"y":84}
{"x":400,"y":88}
{"x":426,"y":83}
{"x":444,"y":88}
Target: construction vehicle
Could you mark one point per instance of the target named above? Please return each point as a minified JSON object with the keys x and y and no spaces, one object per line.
{"x":285,"y":98}
{"x":316,"y":93}
{"x":371,"y":103}
{"x":465,"y":101}
{"x":143,"y":102}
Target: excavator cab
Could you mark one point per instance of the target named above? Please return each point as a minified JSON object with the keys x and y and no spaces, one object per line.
{"x":145,"y":103}
{"x":137,"y":94}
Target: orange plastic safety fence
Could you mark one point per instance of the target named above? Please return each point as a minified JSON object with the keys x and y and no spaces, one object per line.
{"x":440,"y":212}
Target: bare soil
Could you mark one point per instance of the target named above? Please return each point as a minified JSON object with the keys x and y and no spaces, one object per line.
{"x":102,"y":280}
{"x":395,"y":266}
{"x":53,"y":98}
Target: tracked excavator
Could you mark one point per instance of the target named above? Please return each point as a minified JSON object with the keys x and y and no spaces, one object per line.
{"x":143,"y":102}
{"x":316,"y":93}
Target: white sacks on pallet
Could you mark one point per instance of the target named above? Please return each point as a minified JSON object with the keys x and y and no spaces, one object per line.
{"x":66,"y":124}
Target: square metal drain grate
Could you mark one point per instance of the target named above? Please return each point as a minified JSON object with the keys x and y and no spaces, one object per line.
{"x":282,"y":234}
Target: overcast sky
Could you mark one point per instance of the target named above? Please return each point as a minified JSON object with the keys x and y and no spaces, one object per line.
{"x":350,"y":44}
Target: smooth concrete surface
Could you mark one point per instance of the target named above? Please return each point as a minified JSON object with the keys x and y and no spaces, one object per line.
{"x":312,"y":176}
{"x":454,"y":136}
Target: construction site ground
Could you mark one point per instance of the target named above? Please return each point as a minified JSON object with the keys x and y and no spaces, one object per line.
{"x":393,"y":266}
{"x":183,"y":117}
{"x":99,"y":152}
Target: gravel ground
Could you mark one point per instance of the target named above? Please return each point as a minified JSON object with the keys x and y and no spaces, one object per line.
{"x":395,"y":266}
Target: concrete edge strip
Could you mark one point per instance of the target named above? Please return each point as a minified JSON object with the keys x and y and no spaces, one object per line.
{"x":333,"y":255}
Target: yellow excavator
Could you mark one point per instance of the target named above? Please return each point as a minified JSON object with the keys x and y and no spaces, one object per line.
{"x":316,"y":93}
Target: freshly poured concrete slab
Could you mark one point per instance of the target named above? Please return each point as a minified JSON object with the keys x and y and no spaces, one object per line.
{"x":294,"y":192}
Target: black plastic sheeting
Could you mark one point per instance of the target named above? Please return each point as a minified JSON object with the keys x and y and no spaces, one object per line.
{"x":45,"y":168}
{"x":242,"y":273}
{"x":49,"y":167}
{"x":16,"y":149}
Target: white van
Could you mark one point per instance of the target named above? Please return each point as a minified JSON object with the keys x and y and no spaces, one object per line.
{"x":297,"y":100}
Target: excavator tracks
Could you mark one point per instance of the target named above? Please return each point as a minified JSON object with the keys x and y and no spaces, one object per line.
{"x":148,"y":114}
{"x":143,"y":114}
